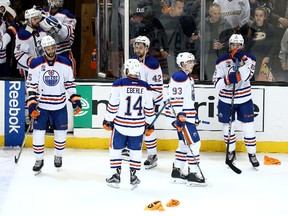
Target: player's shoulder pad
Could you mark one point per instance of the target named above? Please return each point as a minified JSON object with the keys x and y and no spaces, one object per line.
{"x":37,"y":61}
{"x":67,"y":13}
{"x":1,"y":22}
{"x":222,"y":58}
{"x":117,"y":82}
{"x":64,"y":60}
{"x":152,"y":62}
{"x":145,"y":84}
{"x":24,"y":34}
{"x":249,"y":55}
{"x":180,"y":76}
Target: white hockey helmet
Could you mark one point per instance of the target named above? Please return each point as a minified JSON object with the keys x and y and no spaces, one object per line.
{"x":32,"y":12}
{"x":184,"y":57}
{"x":5,"y":3}
{"x":55,"y":3}
{"x":144,"y":40}
{"x":236,"y":38}
{"x":47,"y":41}
{"x":132,"y":68}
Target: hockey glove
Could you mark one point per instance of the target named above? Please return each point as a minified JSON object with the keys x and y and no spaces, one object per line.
{"x":149,"y":129}
{"x":238,"y":54}
{"x":180,"y":122}
{"x":232,"y":78}
{"x":76,"y":103}
{"x":108,"y":125}
{"x":53,"y":22}
{"x":32,"y":108}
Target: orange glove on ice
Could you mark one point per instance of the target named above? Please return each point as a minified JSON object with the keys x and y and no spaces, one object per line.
{"x":173,"y":203}
{"x":157,"y":205}
{"x":271,"y":161}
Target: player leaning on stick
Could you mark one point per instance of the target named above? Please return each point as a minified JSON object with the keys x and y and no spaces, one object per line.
{"x":49,"y":77}
{"x":129,"y":114}
{"x":224,"y":78}
{"x":182,"y":96}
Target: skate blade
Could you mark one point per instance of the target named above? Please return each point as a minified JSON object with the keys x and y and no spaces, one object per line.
{"x":255,"y":168}
{"x":36,"y":173}
{"x":178,"y":181}
{"x":196,"y":184}
{"x":114,"y":185}
{"x":132,"y":187}
{"x":150,"y":166}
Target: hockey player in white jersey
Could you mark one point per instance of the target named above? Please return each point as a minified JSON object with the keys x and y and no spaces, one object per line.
{"x":150,"y":71}
{"x":129,"y":114}
{"x":50,"y":77}
{"x":224,"y":78}
{"x":27,"y":45}
{"x":182,"y":97}
{"x":6,"y":36}
{"x":60,"y":24}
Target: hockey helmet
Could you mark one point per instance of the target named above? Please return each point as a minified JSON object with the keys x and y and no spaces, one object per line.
{"x":5,"y":3}
{"x":32,"y":12}
{"x":236,"y":38}
{"x":132,"y":68}
{"x":55,"y":3}
{"x":184,"y":57}
{"x":144,"y":40}
{"x":47,"y":41}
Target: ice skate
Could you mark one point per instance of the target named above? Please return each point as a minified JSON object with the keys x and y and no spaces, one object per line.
{"x":38,"y":166}
{"x":57,"y":161}
{"x":151,"y":162}
{"x":114,"y":181}
{"x":177,"y":176}
{"x":134,"y":180}
{"x":194,"y":181}
{"x":125,"y":154}
{"x":254,"y":161}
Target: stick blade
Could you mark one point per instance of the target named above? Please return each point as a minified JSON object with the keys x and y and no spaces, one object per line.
{"x":234,"y":168}
{"x":15,"y":159}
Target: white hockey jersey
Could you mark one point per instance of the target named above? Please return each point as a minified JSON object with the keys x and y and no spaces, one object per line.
{"x":236,"y":12}
{"x":4,"y":41}
{"x":65,"y":37}
{"x":130,"y":106}
{"x":28,"y":44}
{"x":50,"y":81}
{"x":225,"y":65}
{"x":151,"y":73}
{"x":182,"y":97}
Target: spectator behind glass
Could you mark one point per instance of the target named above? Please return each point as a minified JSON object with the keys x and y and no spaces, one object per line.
{"x":263,"y":46}
{"x":154,"y":30}
{"x":283,"y":56}
{"x":217,"y":34}
{"x":236,"y":12}
{"x":174,"y":33}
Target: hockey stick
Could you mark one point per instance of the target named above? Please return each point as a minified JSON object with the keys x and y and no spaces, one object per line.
{"x":16,"y":158}
{"x":227,"y":161}
{"x":186,"y":143}
{"x":159,"y":113}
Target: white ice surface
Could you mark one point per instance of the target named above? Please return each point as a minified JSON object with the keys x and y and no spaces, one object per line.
{"x":79,"y":187}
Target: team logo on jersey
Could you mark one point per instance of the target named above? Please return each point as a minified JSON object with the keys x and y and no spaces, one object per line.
{"x":43,"y":68}
{"x":228,"y":63}
{"x":51,"y":78}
